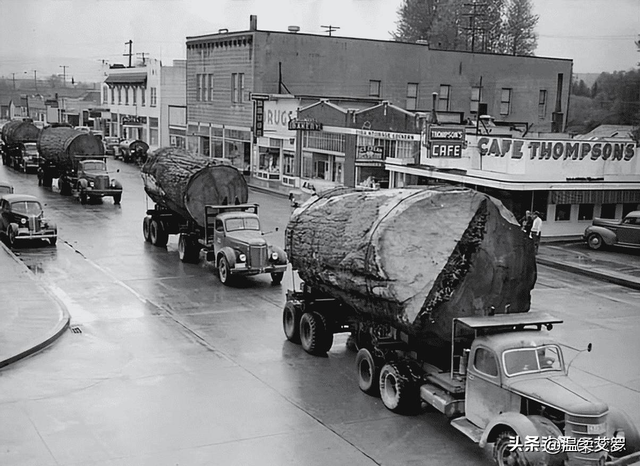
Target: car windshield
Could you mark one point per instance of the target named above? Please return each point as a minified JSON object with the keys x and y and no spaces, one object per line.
{"x":26,"y":208}
{"x":234,"y":224}
{"x":536,"y":359}
{"x":95,"y":166}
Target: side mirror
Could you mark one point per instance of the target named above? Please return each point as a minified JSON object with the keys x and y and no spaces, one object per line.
{"x":589,"y":348}
{"x":118,"y":170}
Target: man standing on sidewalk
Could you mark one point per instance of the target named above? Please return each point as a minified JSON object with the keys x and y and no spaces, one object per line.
{"x":536,"y":230}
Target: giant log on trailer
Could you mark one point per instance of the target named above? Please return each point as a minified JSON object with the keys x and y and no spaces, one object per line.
{"x":58,"y":145}
{"x":185,"y":183}
{"x":414,"y":258}
{"x":20,"y":131}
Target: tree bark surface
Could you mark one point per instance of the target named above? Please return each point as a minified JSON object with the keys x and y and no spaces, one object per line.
{"x":186,"y":183}
{"x":60,"y":144}
{"x":20,"y":131}
{"x":414,"y":258}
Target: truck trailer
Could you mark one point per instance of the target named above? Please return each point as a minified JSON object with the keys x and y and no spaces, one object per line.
{"x":19,"y":149}
{"x":433,"y":286}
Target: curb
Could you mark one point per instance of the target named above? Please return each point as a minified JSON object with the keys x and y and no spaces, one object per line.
{"x":62,"y":325}
{"x":607,"y":277}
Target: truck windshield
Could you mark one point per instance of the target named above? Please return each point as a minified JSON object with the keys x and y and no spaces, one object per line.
{"x":31,"y":149}
{"x":536,"y":359}
{"x":94,"y":166}
{"x":234,"y":224}
{"x":26,"y":208}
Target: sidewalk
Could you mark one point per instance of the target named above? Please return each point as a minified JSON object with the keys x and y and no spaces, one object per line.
{"x":30,"y":317}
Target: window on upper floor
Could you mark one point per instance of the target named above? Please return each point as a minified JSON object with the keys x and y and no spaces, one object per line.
{"x":237,"y":87}
{"x":105,"y":95}
{"x":134,"y":95}
{"x":542,"y":104}
{"x":143,"y":96}
{"x":154,"y":97}
{"x":126,"y":96}
{"x":113,"y":96}
{"x":412,"y":96}
{"x":444,"y":97}
{"x":475,"y":98}
{"x":119,"y":96}
{"x":505,"y":101}
{"x":375,"y":88}
{"x":210,"y":87}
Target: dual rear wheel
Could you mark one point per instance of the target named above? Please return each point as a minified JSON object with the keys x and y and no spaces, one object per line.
{"x":310,"y":329}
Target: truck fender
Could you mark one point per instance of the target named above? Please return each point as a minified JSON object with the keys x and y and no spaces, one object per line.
{"x":608,"y":236}
{"x":618,"y":420}
{"x":282,"y":256}
{"x":522,"y":425}
{"x":229,"y":254}
{"x":117,"y":184}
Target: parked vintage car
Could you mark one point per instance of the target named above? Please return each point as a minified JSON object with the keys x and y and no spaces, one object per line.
{"x":603,"y":232}
{"x":111,"y":145}
{"x":22,"y":218}
{"x":5,"y":188}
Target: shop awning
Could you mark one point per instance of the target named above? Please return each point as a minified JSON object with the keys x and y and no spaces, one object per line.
{"x":129,"y":78}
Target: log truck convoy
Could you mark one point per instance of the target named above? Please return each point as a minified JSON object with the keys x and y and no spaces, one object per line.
{"x":205,"y":202}
{"x":19,"y":150}
{"x":434,"y":286}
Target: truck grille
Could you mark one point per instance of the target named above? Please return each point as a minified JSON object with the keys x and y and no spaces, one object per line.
{"x":583,"y":427}
{"x":258,"y":256}
{"x":102,"y":182}
{"x":34,"y":224}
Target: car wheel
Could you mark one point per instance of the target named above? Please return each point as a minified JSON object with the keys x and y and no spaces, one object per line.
{"x":84,"y":197}
{"x":11,"y":237}
{"x":146,"y":224}
{"x":291,"y":322}
{"x":595,"y":241}
{"x":224,"y":270}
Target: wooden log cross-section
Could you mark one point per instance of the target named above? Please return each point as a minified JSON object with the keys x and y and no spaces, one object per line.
{"x":185,"y":183}
{"x":415,"y":258}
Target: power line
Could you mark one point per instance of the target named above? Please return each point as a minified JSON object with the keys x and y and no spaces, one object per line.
{"x":330,"y":29}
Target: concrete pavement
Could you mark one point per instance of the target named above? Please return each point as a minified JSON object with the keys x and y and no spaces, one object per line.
{"x":31,"y":318}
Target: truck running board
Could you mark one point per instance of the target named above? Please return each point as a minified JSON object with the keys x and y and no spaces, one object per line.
{"x":468,"y":429}
{"x":442,"y":401}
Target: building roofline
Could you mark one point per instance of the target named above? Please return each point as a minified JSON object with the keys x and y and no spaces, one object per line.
{"x":232,"y":34}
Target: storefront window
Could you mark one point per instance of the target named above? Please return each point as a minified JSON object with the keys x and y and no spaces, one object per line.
{"x":608,"y":211}
{"x":585,"y":212}
{"x":288,"y":162}
{"x":204,"y":146}
{"x":628,"y":207}
{"x":307,"y":165}
{"x":269,"y":163}
{"x":153,"y":137}
{"x":563,"y":212}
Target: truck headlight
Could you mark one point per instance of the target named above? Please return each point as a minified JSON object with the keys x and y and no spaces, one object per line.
{"x":242,"y":258}
{"x":619,"y":434}
{"x":113,"y":183}
{"x":23,"y":221}
{"x":91,"y":184}
{"x":274,"y":256}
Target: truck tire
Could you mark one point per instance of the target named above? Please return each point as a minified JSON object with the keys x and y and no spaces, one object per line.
{"x":327,"y":341}
{"x":313,"y":333}
{"x":368,"y":372}
{"x":502,"y":454}
{"x":117,"y":198}
{"x":595,"y":241}
{"x":291,"y":321}
{"x":397,"y":390}
{"x":146,"y":225}
{"x":157,"y":234}
{"x":276,"y":277}
{"x":84,"y":197}
{"x":188,"y":249}
{"x":224,"y":270}
{"x":53,"y":240}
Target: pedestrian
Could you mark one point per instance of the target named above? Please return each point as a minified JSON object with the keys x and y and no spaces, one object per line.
{"x":536,"y":230}
{"x":526,"y":222}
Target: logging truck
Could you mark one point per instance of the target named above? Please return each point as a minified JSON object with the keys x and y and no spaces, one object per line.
{"x":205,"y":202}
{"x":19,"y":149}
{"x":434,"y":288}
{"x":88,"y":177}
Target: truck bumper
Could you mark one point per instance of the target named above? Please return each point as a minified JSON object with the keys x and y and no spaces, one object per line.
{"x":103,"y":192}
{"x":242,"y":269}
{"x":25,"y":234}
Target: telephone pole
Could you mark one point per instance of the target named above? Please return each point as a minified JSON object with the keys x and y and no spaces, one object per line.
{"x":64,"y":75}
{"x":142,"y":54}
{"x":473,"y":14}
{"x":330,"y":29}
{"x":130,"y":44}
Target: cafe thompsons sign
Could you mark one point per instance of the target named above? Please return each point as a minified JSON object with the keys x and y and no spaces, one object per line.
{"x":556,"y":150}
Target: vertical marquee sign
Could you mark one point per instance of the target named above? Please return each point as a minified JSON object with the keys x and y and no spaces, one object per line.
{"x":258,"y":114}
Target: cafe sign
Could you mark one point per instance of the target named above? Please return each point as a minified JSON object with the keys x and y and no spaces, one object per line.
{"x":445,"y":141}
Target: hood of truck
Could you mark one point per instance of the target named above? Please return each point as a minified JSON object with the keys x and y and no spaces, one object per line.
{"x":250,"y":237}
{"x":558,"y":391}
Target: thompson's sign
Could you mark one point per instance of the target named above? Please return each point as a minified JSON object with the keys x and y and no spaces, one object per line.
{"x":556,"y":150}
{"x":445,"y":141}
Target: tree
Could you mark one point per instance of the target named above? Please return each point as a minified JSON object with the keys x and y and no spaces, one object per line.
{"x":415,"y":20}
{"x":519,"y":30}
{"x":445,"y":31}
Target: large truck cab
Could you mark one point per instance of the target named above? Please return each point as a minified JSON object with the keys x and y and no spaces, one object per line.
{"x":92,"y":180}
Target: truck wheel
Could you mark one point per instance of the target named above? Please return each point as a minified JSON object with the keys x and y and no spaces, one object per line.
{"x":117,"y":198}
{"x":595,"y":241}
{"x":157,"y":234}
{"x":313,"y":334}
{"x":368,"y":372}
{"x":53,"y":240}
{"x":187,"y":249}
{"x":291,"y":322}
{"x":84,"y":197}
{"x":327,"y":341}
{"x":397,"y":391}
{"x":502,"y":454}
{"x":276,"y":277}
{"x":224,"y":270}
{"x":146,"y":225}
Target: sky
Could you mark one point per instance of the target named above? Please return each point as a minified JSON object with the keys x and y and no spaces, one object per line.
{"x":39,"y":38}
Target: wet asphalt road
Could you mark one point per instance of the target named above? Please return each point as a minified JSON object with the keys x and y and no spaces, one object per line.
{"x":171,"y":367}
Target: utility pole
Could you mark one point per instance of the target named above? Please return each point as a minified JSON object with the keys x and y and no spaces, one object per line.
{"x":130,"y":44}
{"x":330,"y":29}
{"x":64,"y":75}
{"x":472,"y":20}
{"x":142,"y":54}
{"x":14,"y":80}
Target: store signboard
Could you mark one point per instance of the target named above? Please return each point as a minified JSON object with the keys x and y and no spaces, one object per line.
{"x":278,"y":114}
